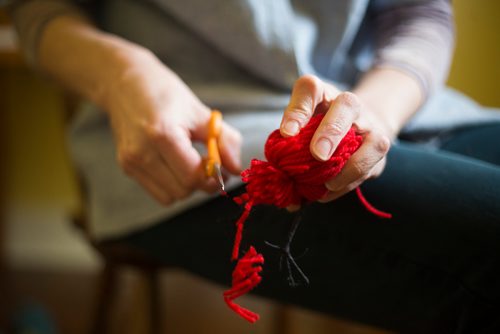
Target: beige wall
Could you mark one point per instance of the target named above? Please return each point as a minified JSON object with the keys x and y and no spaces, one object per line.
{"x":37,"y":168}
{"x":476,"y":65}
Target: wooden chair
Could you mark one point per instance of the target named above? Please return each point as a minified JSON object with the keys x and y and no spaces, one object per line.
{"x":115,"y":257}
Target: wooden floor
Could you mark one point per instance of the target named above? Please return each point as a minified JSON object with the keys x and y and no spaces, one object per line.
{"x":69,"y":297}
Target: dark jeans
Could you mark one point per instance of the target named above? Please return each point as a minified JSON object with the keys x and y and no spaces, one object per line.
{"x":433,"y":268}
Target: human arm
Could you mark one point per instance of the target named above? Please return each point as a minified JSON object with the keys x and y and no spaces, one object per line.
{"x":154,"y":116}
{"x":412,"y":57}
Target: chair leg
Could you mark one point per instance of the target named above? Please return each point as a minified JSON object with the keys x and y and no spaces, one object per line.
{"x":281,"y":318}
{"x":155,"y":316}
{"x":106,"y":293}
{"x":7,"y":301}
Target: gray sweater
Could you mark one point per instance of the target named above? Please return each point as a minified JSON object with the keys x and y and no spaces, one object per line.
{"x":242,"y":57}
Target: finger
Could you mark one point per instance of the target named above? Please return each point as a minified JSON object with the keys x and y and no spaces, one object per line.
{"x":131,"y":159}
{"x":360,"y":165}
{"x":308,"y":92}
{"x":378,"y":169}
{"x":229,"y":142}
{"x":331,"y":196}
{"x":176,"y":149}
{"x":338,"y":120}
{"x":153,"y":188}
{"x":210,"y":186}
{"x":293,"y":208}
{"x":230,"y":149}
{"x":149,"y":164}
{"x":163,"y":175}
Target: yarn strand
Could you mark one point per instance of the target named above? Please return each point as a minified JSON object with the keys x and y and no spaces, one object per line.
{"x":286,"y":254}
{"x":246,"y":276}
{"x":370,"y":207}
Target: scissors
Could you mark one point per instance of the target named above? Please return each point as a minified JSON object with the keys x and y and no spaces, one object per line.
{"x":213,"y":162}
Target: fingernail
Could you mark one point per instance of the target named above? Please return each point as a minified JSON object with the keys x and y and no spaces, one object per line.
{"x":323,"y":148}
{"x":333,"y":188}
{"x":291,"y":127}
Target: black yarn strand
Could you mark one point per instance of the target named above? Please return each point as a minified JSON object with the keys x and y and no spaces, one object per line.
{"x":286,"y":255}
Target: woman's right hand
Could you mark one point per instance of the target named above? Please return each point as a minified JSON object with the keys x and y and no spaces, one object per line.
{"x":155,"y":118}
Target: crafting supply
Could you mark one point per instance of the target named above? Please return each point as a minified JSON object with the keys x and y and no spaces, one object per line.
{"x":291,"y":177}
{"x":213,"y":161}
{"x":246,"y":276}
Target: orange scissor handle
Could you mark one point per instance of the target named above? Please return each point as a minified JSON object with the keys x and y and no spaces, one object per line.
{"x":214,"y":130}
{"x":215,"y":124}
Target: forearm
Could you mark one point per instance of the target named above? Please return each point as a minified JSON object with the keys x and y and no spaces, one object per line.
{"x":59,"y":40}
{"x":415,"y":37}
{"x":83,"y":58}
{"x":414,"y":42}
{"x":391,"y":95}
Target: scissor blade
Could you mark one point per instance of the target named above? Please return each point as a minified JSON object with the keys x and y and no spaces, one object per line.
{"x":219,"y":176}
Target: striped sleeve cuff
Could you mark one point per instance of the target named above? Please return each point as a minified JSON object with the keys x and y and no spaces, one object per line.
{"x":417,"y":39}
{"x":30,"y":18}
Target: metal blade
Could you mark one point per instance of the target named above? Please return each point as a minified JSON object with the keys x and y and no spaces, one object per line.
{"x":219,"y":177}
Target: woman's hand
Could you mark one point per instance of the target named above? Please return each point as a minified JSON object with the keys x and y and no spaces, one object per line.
{"x":343,"y":110}
{"x":155,"y":118}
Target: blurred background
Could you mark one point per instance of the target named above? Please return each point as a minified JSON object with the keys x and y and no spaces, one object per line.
{"x":45,"y":261}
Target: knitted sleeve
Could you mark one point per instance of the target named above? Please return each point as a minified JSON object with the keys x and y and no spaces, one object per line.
{"x":30,"y":18}
{"x":416,"y":37}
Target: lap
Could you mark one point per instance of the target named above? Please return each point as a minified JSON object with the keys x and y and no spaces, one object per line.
{"x":435,"y":261}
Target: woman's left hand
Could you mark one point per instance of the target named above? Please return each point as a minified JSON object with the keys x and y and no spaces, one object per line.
{"x":343,"y":110}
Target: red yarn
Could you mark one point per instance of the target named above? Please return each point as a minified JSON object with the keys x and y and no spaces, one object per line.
{"x":370,"y":207}
{"x":290,"y":176}
{"x":240,"y":222}
{"x":246,"y":276}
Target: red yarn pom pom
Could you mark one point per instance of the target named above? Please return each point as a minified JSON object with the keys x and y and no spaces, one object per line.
{"x":291,"y":175}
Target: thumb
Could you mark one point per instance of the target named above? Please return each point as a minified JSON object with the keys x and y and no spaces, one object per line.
{"x":229,"y":143}
{"x":230,"y":148}
{"x":308,"y":93}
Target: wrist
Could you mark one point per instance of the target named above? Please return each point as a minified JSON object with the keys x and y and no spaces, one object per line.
{"x":391,"y":96}
{"x":386,"y":125}
{"x":101,"y":57}
{"x":123,"y":64}
{"x":118,"y":59}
